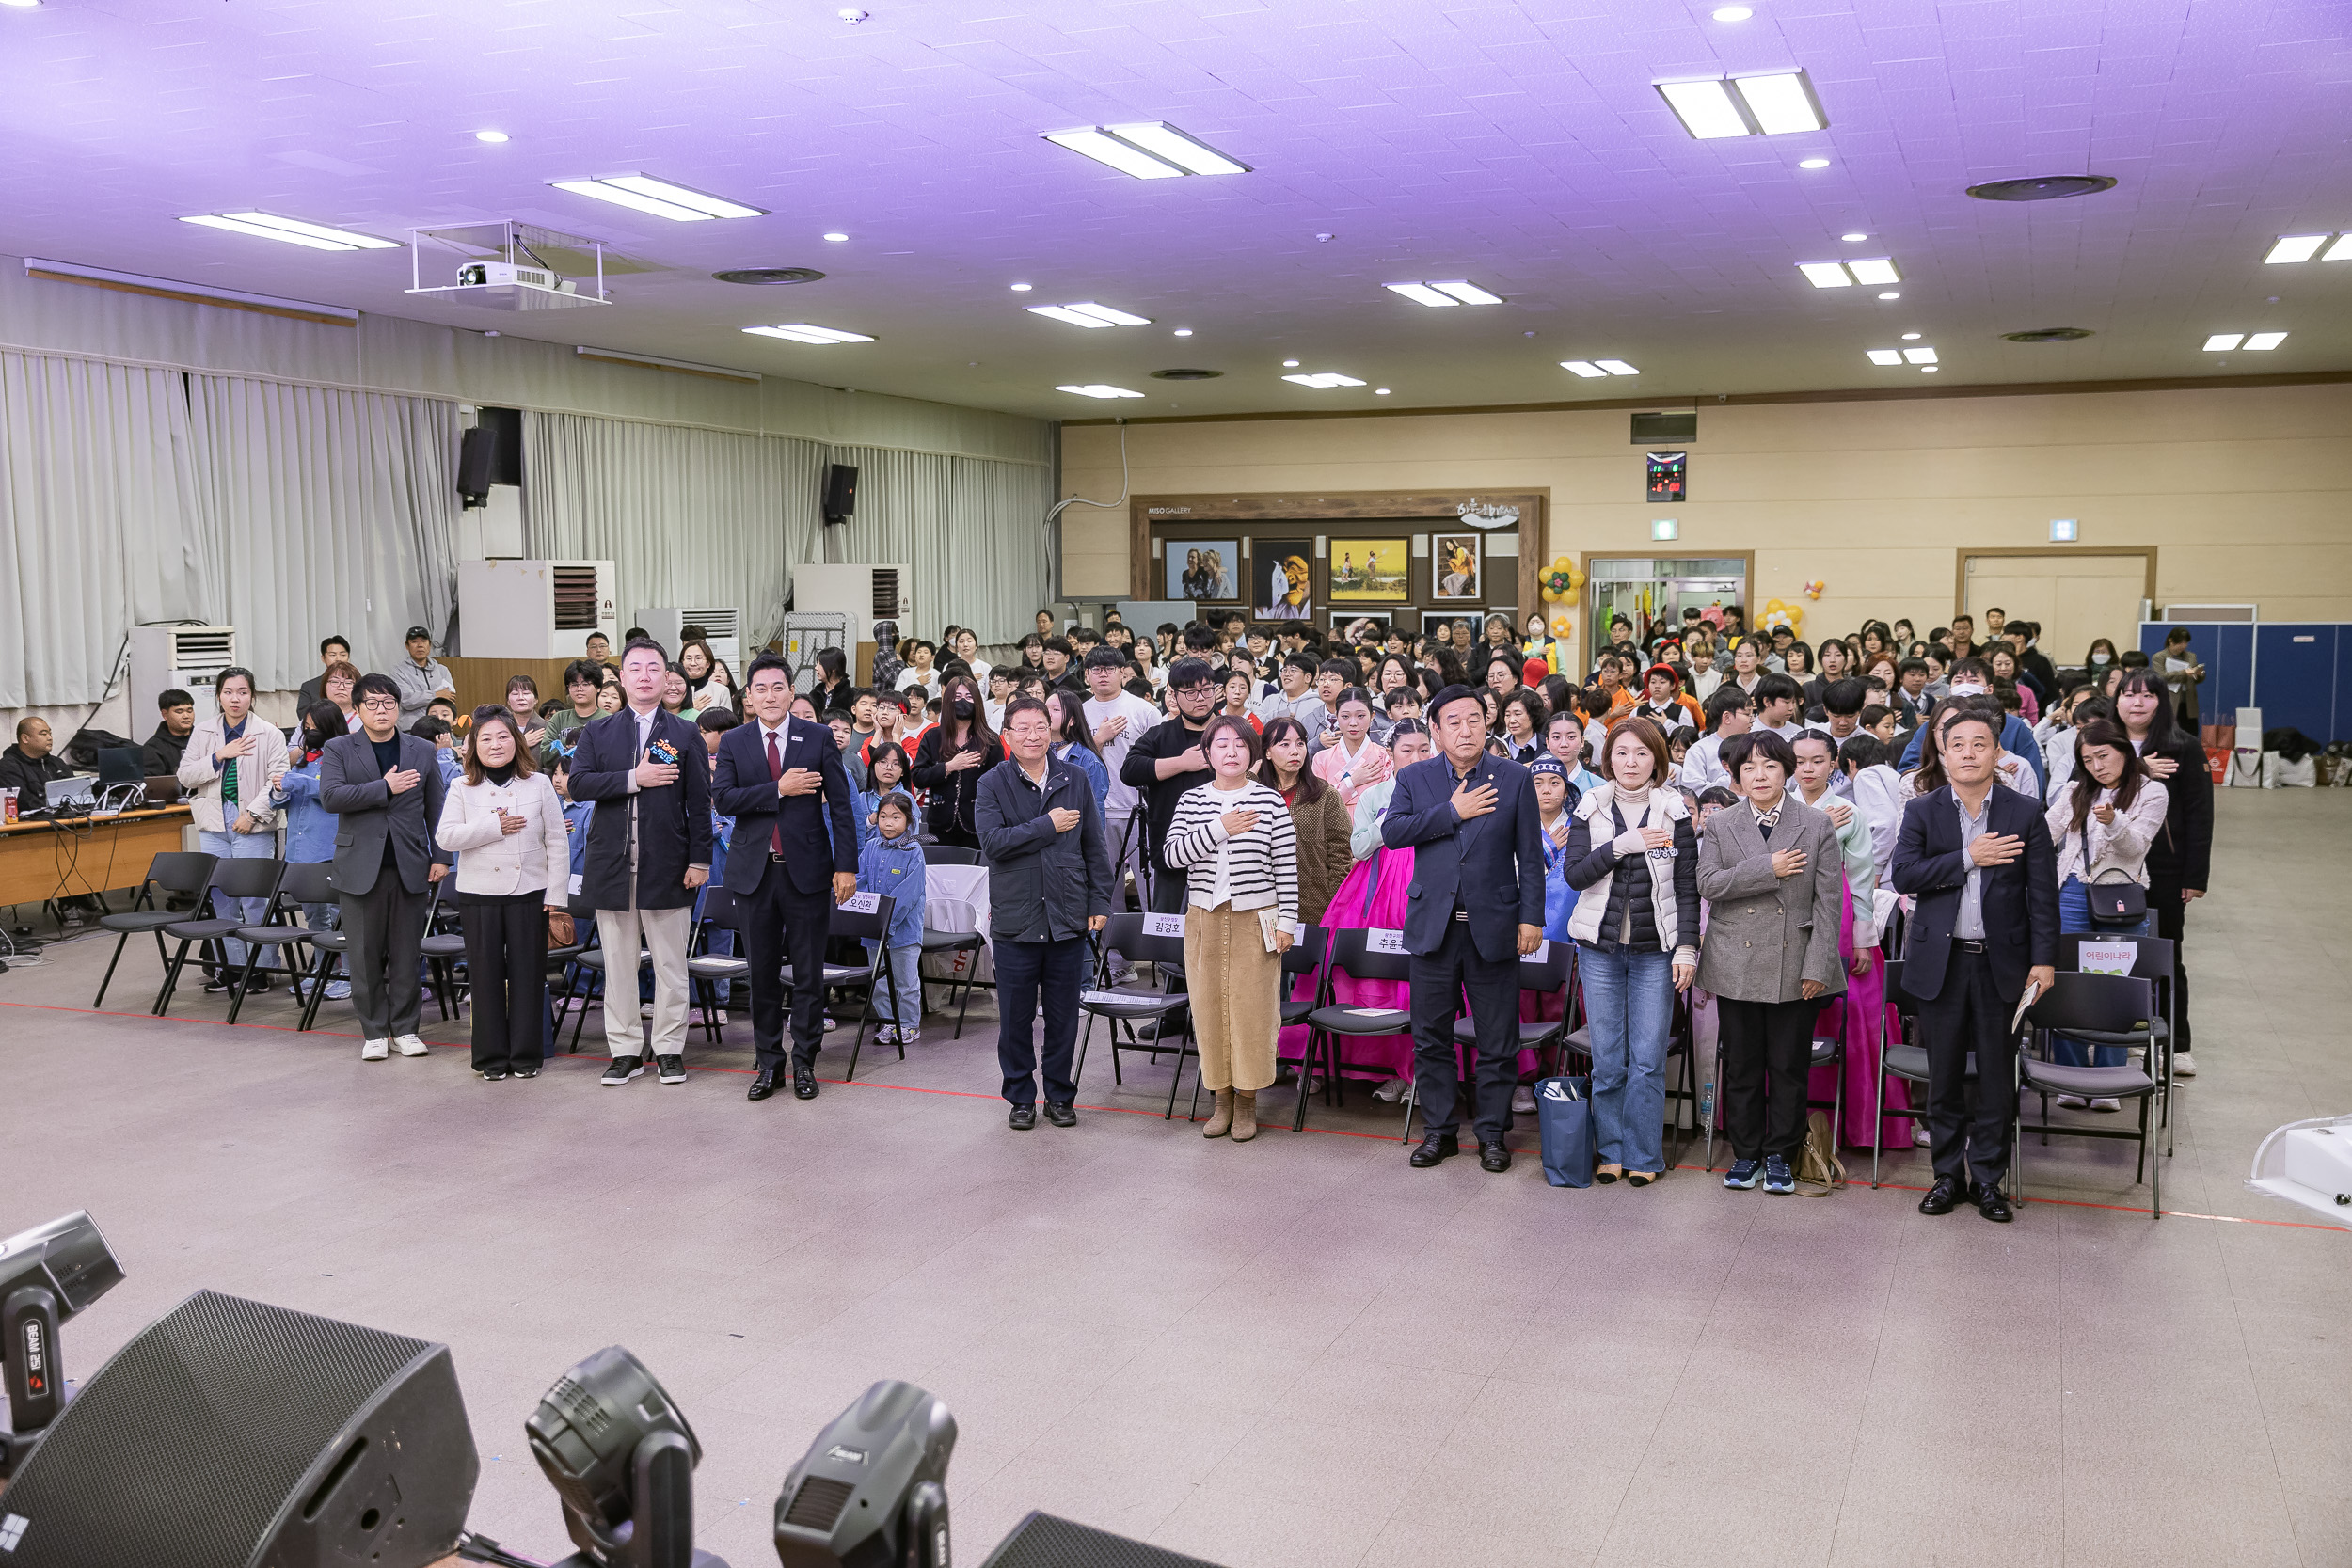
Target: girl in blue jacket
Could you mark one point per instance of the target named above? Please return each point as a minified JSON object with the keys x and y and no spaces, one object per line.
{"x":310,"y":826}
{"x":892,"y":864}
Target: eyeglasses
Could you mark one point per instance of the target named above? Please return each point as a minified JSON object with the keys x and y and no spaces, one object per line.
{"x":379,"y":702}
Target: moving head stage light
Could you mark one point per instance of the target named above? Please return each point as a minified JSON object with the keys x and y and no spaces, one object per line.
{"x":872,"y":1490}
{"x":47,"y":1274}
{"x":622,"y":1458}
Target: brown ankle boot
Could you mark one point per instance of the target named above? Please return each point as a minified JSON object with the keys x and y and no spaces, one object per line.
{"x":1245,"y":1114}
{"x":1221,"y":1120}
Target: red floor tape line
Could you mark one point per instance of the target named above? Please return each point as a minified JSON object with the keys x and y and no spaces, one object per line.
{"x":1134,"y":1111}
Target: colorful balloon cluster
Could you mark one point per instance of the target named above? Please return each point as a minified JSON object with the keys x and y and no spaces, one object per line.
{"x":1779,"y":613}
{"x":1560,"y":585}
{"x":1813,"y":589}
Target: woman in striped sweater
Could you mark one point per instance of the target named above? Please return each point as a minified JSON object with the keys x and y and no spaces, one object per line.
{"x":1233,"y":838}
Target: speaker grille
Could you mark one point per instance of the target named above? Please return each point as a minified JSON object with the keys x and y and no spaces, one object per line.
{"x":1044,"y":1541}
{"x":217,"y":1410}
{"x":819,"y":1504}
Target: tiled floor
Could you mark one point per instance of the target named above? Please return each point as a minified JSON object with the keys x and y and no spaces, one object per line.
{"x":1297,"y":1352}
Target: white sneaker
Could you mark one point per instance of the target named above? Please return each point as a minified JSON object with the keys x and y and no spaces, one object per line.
{"x":375,"y":1051}
{"x":645,"y":1009}
{"x":1523,"y":1101}
{"x":2072,"y":1103}
{"x":2182,"y":1067}
{"x":410,"y":1046}
{"x":831,"y":1023}
{"x":1393,"y":1090}
{"x":2104,"y":1103}
{"x":1919,"y":1137}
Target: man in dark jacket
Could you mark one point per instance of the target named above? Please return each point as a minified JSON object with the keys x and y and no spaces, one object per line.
{"x":1163,"y":764}
{"x":164,"y":748}
{"x":386,"y":790}
{"x":1049,"y":883}
{"x":28,"y":765}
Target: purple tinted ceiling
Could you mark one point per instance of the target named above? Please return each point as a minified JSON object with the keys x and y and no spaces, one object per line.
{"x":1522,"y":146}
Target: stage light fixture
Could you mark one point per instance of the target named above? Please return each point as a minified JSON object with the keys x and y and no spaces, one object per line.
{"x":621,"y":1456}
{"x":47,"y":1274}
{"x":873,"y":1488}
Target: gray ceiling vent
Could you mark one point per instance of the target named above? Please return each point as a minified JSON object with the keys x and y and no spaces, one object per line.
{"x":2048,"y":334}
{"x":770,"y":275}
{"x":2048,"y":187}
{"x":1186,"y":375}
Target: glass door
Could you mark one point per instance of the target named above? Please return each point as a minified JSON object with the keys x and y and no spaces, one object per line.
{"x":1652,"y":592}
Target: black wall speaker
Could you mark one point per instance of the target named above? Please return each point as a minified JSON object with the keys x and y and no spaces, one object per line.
{"x":234,"y":1434}
{"x":477,"y":464}
{"x":840,"y":492}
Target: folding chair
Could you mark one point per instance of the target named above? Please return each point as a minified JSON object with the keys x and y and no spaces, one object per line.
{"x":594,"y":964}
{"x":2152,"y":960}
{"x":1353,"y":955}
{"x":1548,"y":971}
{"x":233,"y":879}
{"x":1901,"y":1057}
{"x":949,"y":854}
{"x":2087,"y":1006}
{"x":1125,"y":1007}
{"x":1823,"y":1051}
{"x":170,"y":872}
{"x":443,"y":951}
{"x":864,"y":925}
{"x":304,"y":882}
{"x":711,"y":976}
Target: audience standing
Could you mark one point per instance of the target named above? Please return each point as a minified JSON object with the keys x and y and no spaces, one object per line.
{"x":505,"y":823}
{"x":386,"y":794}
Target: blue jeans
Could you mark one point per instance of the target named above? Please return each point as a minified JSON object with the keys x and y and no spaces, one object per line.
{"x":901,"y":1001}
{"x":2075,"y":915}
{"x":1629,"y":1000}
{"x":245,"y":911}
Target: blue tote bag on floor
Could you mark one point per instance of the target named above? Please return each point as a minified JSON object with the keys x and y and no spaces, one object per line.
{"x":1563,"y":1118}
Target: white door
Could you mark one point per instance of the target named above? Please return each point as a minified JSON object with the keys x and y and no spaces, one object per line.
{"x":2075,"y":597}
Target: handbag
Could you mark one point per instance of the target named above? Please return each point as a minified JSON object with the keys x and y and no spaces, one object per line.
{"x":1819,"y":1170}
{"x":1563,"y":1123}
{"x":2123,"y":902}
{"x":560,"y":931}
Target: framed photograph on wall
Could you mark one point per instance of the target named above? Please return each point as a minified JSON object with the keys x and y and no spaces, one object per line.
{"x":1283,"y":579}
{"x":1206,"y":571}
{"x":1456,"y":567}
{"x":1370,"y":571}
{"x":1349,"y":626}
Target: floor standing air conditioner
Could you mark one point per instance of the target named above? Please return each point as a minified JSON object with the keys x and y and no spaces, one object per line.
{"x":864,"y":593}
{"x":723,"y":629}
{"x":187,"y":658}
{"x":535,"y":608}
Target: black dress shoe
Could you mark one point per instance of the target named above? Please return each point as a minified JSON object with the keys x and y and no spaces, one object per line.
{"x":1945,"y":1196}
{"x":1493,"y":1156}
{"x":763,"y":1086}
{"x":1021,"y":1117}
{"x":804,"y":1083}
{"x":1436,"y":1146}
{"x":1993,"y":1204}
{"x":1061,"y":1113}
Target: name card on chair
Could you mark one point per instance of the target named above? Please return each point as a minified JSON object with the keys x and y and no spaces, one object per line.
{"x":1164,"y":926}
{"x":2107,"y":957}
{"x":1385,"y":941}
{"x":862,"y":903}
{"x":576,"y":880}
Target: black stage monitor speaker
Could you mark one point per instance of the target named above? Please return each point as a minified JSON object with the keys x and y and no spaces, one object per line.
{"x":1043,"y":1540}
{"x":234,"y":1434}
{"x":840,"y":492}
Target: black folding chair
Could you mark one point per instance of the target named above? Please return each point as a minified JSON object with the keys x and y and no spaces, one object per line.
{"x":711,"y":976}
{"x":172,"y":872}
{"x":1821,"y":1050}
{"x":1902,"y":1056}
{"x":873,"y":975}
{"x":950,"y":854}
{"x":444,"y":951}
{"x":1549,"y":972}
{"x":1305,"y":955}
{"x":1126,"y":1007}
{"x":592,"y":967}
{"x":1352,"y":956}
{"x":2087,"y":1007}
{"x":304,"y":882}
{"x":231,"y":879}
{"x":2152,"y":959}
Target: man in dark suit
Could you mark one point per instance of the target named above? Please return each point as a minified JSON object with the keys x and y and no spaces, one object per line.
{"x":648,"y":850}
{"x":1977,"y":857}
{"x":793,"y":858}
{"x":1476,"y":903}
{"x":385,"y":789}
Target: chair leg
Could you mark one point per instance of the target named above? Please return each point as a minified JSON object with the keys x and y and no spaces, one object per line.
{"x":1878,"y":1116}
{"x":1306,"y":1063}
{"x":2155,"y":1166}
{"x":172,"y":980}
{"x":966,"y":1005}
{"x":121,"y":942}
{"x":857,"y":1041}
{"x":324,"y":967}
{"x":1085,"y":1037}
{"x":1177,"y":1080}
{"x":236,"y":1001}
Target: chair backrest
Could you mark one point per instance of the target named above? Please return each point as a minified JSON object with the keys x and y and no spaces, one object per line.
{"x":952,"y":854}
{"x":180,"y":871}
{"x":1307,"y":954}
{"x":1547,"y":972}
{"x":2103,"y":1004}
{"x":308,"y":882}
{"x":864,"y":925}
{"x":1904,"y":1003}
{"x":247,"y":879}
{"x":1352,"y":956}
{"x":2152,"y":960}
{"x":719,"y":908}
{"x":1124,"y":935}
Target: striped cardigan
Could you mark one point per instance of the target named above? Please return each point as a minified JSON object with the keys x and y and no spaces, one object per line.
{"x":1264,"y":867}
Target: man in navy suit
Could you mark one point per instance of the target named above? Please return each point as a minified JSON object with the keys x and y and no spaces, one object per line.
{"x":1978,"y":859}
{"x":648,"y":850}
{"x":1476,"y":903}
{"x":793,"y":858}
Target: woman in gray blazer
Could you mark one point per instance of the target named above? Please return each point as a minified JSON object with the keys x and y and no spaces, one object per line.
{"x":1769,"y":870}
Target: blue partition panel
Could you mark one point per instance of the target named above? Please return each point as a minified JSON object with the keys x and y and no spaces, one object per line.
{"x":2226,"y":650}
{"x":2297,"y":681}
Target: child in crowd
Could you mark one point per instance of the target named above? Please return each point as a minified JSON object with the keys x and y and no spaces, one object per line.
{"x":888,"y":776}
{"x":891,"y":863}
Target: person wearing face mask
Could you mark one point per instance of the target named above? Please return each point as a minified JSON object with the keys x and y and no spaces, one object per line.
{"x":948,"y":764}
{"x":1631,"y":860}
{"x":1973,"y":677}
{"x":2103,"y":827}
{"x":2099,"y":659}
{"x":233,"y":762}
{"x":2180,"y":860}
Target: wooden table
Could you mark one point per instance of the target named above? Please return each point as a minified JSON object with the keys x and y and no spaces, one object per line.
{"x":43,"y":859}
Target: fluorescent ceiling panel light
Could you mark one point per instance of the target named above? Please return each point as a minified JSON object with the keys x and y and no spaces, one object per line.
{"x":803,"y":332}
{"x":2341,"y":250}
{"x":1920,"y":355}
{"x":1325,"y":380}
{"x":1853,"y":239}
{"x":1731,"y":13}
{"x":2296,"y":247}
{"x":2222,"y":343}
{"x":1825,"y":275}
{"x":1122,"y":156}
{"x":264,"y":231}
{"x":1616,"y":367}
{"x":836,"y":239}
{"x":1705,"y":109}
{"x":631,"y":199}
{"x":2264,"y":342}
{"x":1890,"y":297}
{"x":1420,"y":293}
{"x":1098,"y":389}
{"x":1103,"y":312}
{"x":1886,"y":356}
{"x":1930,"y":370}
{"x":693,"y":200}
{"x":315,"y":230}
{"x":1879,"y":269}
{"x":1164,"y":141}
{"x":1584,"y":368}
{"x":1067,"y":313}
{"x":1781,"y":103}
{"x":493,"y":137}
{"x":1468,"y":293}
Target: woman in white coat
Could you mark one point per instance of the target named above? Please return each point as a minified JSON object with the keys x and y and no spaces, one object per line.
{"x":2102,"y":824}
{"x":233,"y":761}
{"x":513,"y":868}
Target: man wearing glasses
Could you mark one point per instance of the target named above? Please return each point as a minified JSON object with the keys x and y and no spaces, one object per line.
{"x":1167,"y":762}
{"x":384,"y":788}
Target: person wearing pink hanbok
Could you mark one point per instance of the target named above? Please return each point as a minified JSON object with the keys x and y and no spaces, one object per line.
{"x":1859,"y":1016}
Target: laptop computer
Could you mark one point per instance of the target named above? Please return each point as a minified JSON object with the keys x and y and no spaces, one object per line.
{"x":163,"y":788}
{"x":81,"y":786}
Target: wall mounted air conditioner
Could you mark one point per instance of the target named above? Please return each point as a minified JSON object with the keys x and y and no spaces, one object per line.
{"x":187,"y":658}
{"x":864,"y":593}
{"x":535,"y":608}
{"x":725,"y":629}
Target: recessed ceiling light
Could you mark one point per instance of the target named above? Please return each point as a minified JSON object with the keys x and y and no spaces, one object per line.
{"x":2296,"y":247}
{"x":1616,"y":367}
{"x":1098,"y":389}
{"x":1734,"y":13}
{"x":1584,"y":368}
{"x":1851,"y":239}
{"x":1422,"y":293}
{"x":1088,"y":314}
{"x":1813,"y":163}
{"x":1922,"y":356}
{"x":1151,"y":151}
{"x":1705,"y":109}
{"x":1879,"y":269}
{"x":2264,"y":342}
{"x":1289,"y":364}
{"x":1457,"y":292}
{"x":1021,"y":288}
{"x":1839,"y":275}
{"x":21,"y":5}
{"x":1182,"y":332}
{"x":662,"y":198}
{"x":1911,"y":336}
{"x":1772,"y":105}
{"x":2222,"y":343}
{"x":1930,"y":370}
{"x":494,"y":137}
{"x":1782,"y":102}
{"x":1325,"y":380}
{"x":1379,"y":391}
{"x":268,"y":225}
{"x":1890,"y":297}
{"x":836,"y":238}
{"x":1884,"y":356}
{"x":1468,"y":293}
{"x":1825,"y":275}
{"x":802,"y":332}
{"x":2341,"y":250}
